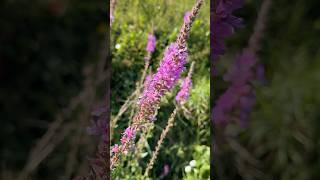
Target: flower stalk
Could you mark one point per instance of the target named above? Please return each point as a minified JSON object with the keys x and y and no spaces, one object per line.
{"x":183,"y":97}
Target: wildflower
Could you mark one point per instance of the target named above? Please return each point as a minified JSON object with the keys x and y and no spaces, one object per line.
{"x":129,"y":133}
{"x":186,"y":17}
{"x":223,"y":24}
{"x":118,"y":46}
{"x":193,"y":163}
{"x":115,"y":148}
{"x":187,"y":169}
{"x":163,"y":80}
{"x":238,"y":100}
{"x":165,"y":131}
{"x":183,"y":94}
{"x":123,"y":140}
{"x":151,"y":45}
{"x":240,"y":93}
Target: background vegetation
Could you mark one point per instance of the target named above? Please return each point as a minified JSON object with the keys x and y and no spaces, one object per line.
{"x":281,"y":140}
{"x":47,"y":51}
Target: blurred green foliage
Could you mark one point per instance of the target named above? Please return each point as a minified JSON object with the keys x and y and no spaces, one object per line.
{"x":45,"y":46}
{"x":281,"y":140}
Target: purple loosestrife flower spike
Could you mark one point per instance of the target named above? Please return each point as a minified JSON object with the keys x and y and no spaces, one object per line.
{"x":168,"y":72}
{"x":183,"y":94}
{"x":151,"y":45}
{"x":186,"y":17}
{"x":238,"y":100}
{"x":115,"y":148}
{"x":129,"y":133}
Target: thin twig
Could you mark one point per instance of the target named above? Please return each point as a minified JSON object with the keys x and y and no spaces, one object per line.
{"x":159,"y":143}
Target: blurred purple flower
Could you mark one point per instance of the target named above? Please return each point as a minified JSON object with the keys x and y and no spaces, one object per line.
{"x":184,"y":92}
{"x":237,"y":102}
{"x":239,"y":98}
{"x":115,"y":148}
{"x":151,"y":45}
{"x":129,"y":133}
{"x":223,"y":24}
{"x":165,"y":172}
{"x":163,"y":80}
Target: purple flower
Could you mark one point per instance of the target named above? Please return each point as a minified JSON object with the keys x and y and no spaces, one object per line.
{"x":151,"y":45}
{"x":184,"y":92}
{"x":186,"y":17}
{"x":124,"y":140}
{"x":129,"y":133}
{"x":163,"y":80}
{"x":168,"y":72}
{"x":239,"y":98}
{"x":223,"y":24}
{"x":115,"y":148}
{"x":240,"y":72}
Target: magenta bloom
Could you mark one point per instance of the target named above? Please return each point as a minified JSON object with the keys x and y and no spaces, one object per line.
{"x":163,"y":80}
{"x":168,"y":72}
{"x":151,"y":45}
{"x":115,"y":148}
{"x":129,"y":133}
{"x":184,"y":92}
{"x":170,"y":68}
{"x":186,"y":17}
